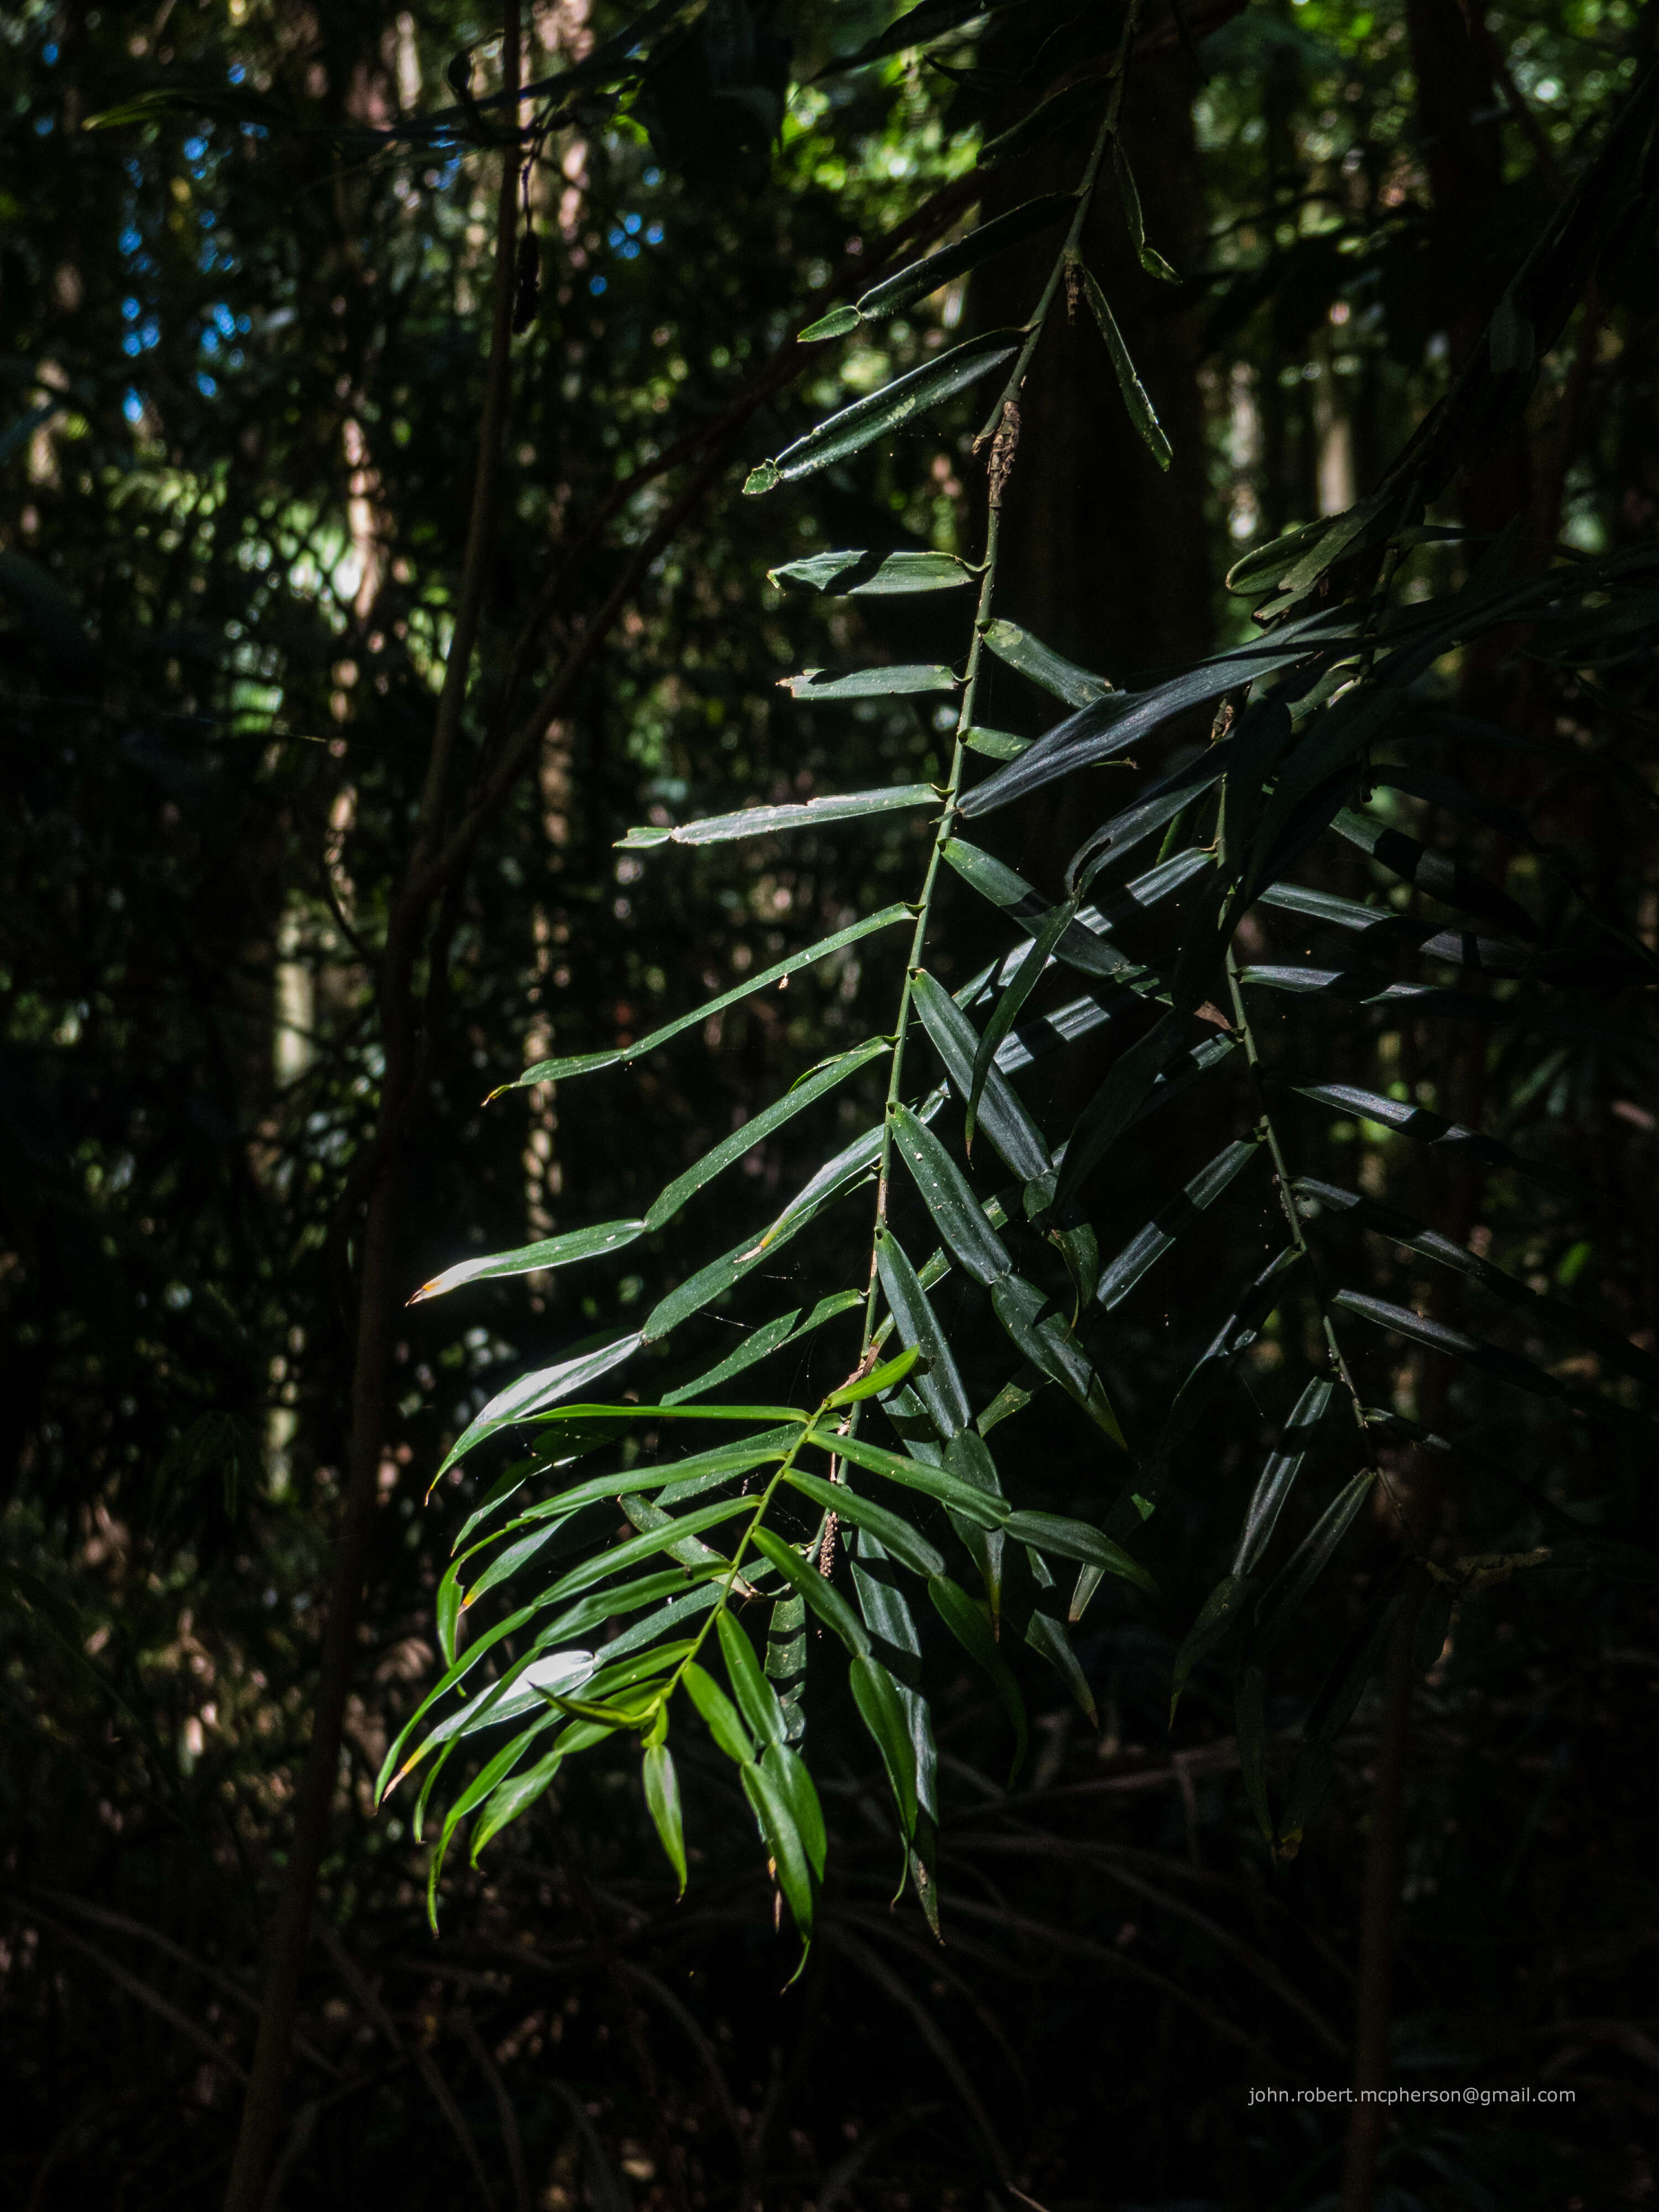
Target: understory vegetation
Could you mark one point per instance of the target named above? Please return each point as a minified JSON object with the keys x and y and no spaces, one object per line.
{"x":831,"y":900}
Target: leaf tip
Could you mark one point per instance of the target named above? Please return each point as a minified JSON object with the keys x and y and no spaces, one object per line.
{"x":835,"y":324}
{"x":761,"y":479}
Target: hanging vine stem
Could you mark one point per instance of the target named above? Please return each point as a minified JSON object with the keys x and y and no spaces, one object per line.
{"x":1269,"y":1130}
{"x":1002,"y":427}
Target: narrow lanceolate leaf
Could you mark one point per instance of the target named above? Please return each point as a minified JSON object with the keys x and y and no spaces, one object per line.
{"x":1119,"y":1099}
{"x":969,"y":1458}
{"x":789,"y":1773}
{"x":891,"y":683}
{"x":1170,"y":1222}
{"x":1438,"y":875}
{"x":662,"y":1797}
{"x":1142,"y":413}
{"x":760,"y":1126}
{"x":690,"y":1551}
{"x":550,"y":1252}
{"x":1217,"y":1620}
{"x":1278,"y":1477}
{"x":758,"y":1701}
{"x":757,"y":1345}
{"x":949,"y":1197}
{"x":936,"y":1383}
{"x":531,"y":1393}
{"x":721,"y":1716}
{"x":586,"y":1063}
{"x":784,"y":1842}
{"x":887,"y":1376}
{"x":1078,"y":687}
{"x":1047,"y":1338}
{"x":895,"y":292}
{"x":1158,"y":803}
{"x":887,"y":410}
{"x":1151,"y":259}
{"x":764,"y":821}
{"x":1422,"y":1126}
{"x":1282,"y":1598}
{"x":882,"y":1710}
{"x":894,"y":1535}
{"x":822,"y":1596}
{"x":876,"y":575}
{"x":1488,"y":1358}
{"x":1004,"y":1121}
{"x":1054,"y":1535}
{"x":995,"y":744}
{"x":1006,"y":1012}
{"x":1048,"y":1638}
{"x":1213,"y":1365}
{"x":966,"y":1498}
{"x":1551,"y":1313}
{"x":973,"y":1632}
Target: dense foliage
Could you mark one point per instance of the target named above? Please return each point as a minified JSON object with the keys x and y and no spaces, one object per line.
{"x":1341,"y":1011}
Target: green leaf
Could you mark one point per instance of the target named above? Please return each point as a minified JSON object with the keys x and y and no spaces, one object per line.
{"x":550,"y":1252}
{"x":969,"y":1457}
{"x":518,"y":1795}
{"x":1076,"y":1540}
{"x":1004,"y":1121}
{"x":949,"y":1197}
{"x":881,"y":1706}
{"x":895,"y":292}
{"x":885,"y":410}
{"x":1078,"y":687}
{"x":973,"y":1632}
{"x":964,"y":1497}
{"x":996,"y":744}
{"x":762,"y":821}
{"x":1141,"y":411}
{"x":887,"y":1376}
{"x":759,"y":1127}
{"x":757,"y":1700}
{"x":1047,"y":1338}
{"x":885,"y":683}
{"x":936,"y":1383}
{"x":820,"y":1596}
{"x":1551,"y":1313}
{"x":758,"y":1345}
{"x":1250,"y":1719}
{"x":1219,"y":1618}
{"x":1422,"y":1126}
{"x":719,"y":1711}
{"x":876,"y":575}
{"x":1278,"y":1476}
{"x":553,"y":1071}
{"x":662,"y":1797}
{"x":894,"y":1535}
{"x":1439,"y":875}
{"x":1151,"y":260}
{"x":1060,"y":110}
{"x":690,"y":1551}
{"x":836,"y":324}
{"x":1047,"y":1638}
{"x":672,"y":1412}
{"x":785,"y":1843}
{"x":1282,"y":1598}
{"x":1004,"y":1015}
{"x":646,"y":1545}
{"x":788,"y":1772}
{"x":1157,"y":803}
{"x":532,"y":1393}
{"x":1170,"y":1222}
{"x":1267,"y":564}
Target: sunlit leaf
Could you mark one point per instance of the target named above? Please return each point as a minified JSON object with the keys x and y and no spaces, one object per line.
{"x":1141,"y":411}
{"x":531,"y":1393}
{"x":935,"y":1381}
{"x":881,"y":683}
{"x":550,"y":1252}
{"x":807,"y":814}
{"x":876,"y":575}
{"x":949,"y":1197}
{"x":1078,"y":687}
{"x":895,"y":1535}
{"x":662,"y":1798}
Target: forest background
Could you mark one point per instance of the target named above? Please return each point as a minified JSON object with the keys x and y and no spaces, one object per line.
{"x":248,"y":282}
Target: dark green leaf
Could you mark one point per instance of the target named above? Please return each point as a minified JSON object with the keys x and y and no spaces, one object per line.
{"x":967,"y":1498}
{"x":1047,"y":1338}
{"x":755,"y":1131}
{"x":903,"y":290}
{"x":662,"y":1797}
{"x":784,"y":1841}
{"x":1422,"y":1126}
{"x":757,"y":1700}
{"x":881,"y":1706}
{"x":895,"y":1535}
{"x":973,"y":1632}
{"x":1438,"y":875}
{"x":1119,"y":1098}
{"x":553,"y":1071}
{"x":884,"y":411}
{"x":1278,"y":1476}
{"x":1057,"y":112}
{"x":936,"y":1382}
{"x":1078,"y":687}
{"x":1049,"y":930}
{"x":1151,"y":260}
{"x":880,"y":683}
{"x":788,"y":1772}
{"x":1048,"y":1638}
{"x":1006,"y":1121}
{"x":875,"y":574}
{"x":1218,"y":1619}
{"x":957,"y":1214}
{"x":1282,"y":1598}
{"x":1149,"y":1245}
{"x":1141,"y":411}
{"x":762,"y":821}
{"x":1075,"y":1540}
